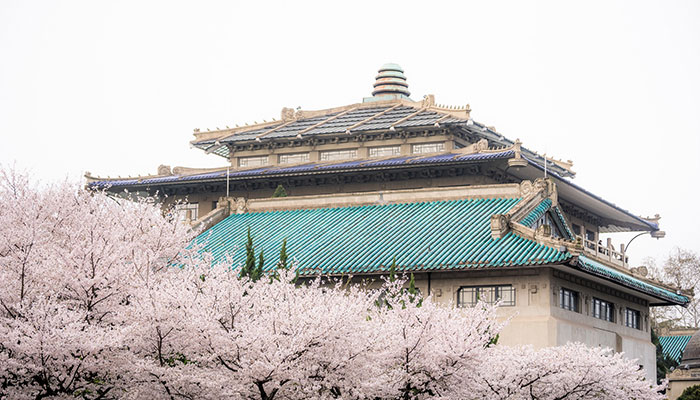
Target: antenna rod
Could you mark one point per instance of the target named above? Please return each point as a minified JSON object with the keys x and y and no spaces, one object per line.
{"x":545,"y":165}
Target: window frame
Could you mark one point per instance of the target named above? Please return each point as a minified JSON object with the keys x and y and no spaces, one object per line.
{"x":297,"y":158}
{"x":181,"y":210}
{"x":635,"y":322}
{"x":440,"y":147}
{"x":573,"y":297}
{"x":243,"y":162}
{"x":395,"y":150}
{"x":497,"y":295}
{"x":323,"y":156}
{"x":603,"y":309}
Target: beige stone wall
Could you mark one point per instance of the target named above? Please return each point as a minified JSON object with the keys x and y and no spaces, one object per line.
{"x":537,"y":319}
{"x":205,"y":200}
{"x":530,"y":321}
{"x":361,"y":147}
{"x":585,"y":328}
{"x":679,"y":380}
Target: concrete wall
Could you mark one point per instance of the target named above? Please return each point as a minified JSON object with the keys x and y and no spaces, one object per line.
{"x":361,"y":147}
{"x":680,"y":379}
{"x":537,"y":319}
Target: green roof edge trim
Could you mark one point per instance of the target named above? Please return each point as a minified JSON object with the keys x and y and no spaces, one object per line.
{"x":596,"y":268}
{"x":536,"y":213}
{"x":563,"y":222}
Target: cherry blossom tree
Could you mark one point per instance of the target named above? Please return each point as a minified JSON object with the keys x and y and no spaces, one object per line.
{"x":69,"y":261}
{"x":108,"y":298}
{"x":573,"y":371}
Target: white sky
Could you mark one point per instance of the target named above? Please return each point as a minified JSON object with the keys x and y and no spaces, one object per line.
{"x":116,"y":88}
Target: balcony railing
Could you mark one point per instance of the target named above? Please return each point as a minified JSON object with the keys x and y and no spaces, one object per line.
{"x":605,"y":252}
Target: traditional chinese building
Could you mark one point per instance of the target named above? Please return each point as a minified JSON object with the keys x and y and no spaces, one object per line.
{"x":471,"y":213}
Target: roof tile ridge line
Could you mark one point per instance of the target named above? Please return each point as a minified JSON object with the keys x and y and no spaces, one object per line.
{"x":444,"y":117}
{"x":379,"y":114}
{"x":459,"y":112}
{"x":331,"y":118}
{"x":420,"y":110}
{"x":93,"y":179}
{"x":226,"y":133}
{"x":271,"y":130}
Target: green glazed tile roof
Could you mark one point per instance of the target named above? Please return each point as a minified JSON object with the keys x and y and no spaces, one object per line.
{"x":439,"y":235}
{"x":536,"y":212}
{"x":601,"y":270}
{"x":673,"y":346}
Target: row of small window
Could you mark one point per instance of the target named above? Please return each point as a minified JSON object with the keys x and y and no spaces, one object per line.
{"x":605,"y":310}
{"x":332,"y":155}
{"x":469,"y":296}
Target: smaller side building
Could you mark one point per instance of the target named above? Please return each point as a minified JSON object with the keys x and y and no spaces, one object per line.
{"x":673,"y":342}
{"x":688,"y":372}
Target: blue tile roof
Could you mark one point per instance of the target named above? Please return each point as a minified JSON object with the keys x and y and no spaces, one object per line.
{"x":673,"y":346}
{"x":441,"y":235}
{"x":311,"y":167}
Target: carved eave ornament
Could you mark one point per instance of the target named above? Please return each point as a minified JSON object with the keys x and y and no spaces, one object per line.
{"x":532,"y":194}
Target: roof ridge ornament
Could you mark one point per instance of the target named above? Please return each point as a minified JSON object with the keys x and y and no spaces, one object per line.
{"x":390,"y":84}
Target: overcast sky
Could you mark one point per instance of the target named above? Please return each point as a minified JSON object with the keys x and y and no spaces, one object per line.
{"x":116,"y":88}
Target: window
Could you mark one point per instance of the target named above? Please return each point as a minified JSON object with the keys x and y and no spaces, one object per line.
{"x":576,"y":229}
{"x":603,"y":310}
{"x":546,"y":219}
{"x":632,"y":318}
{"x":384,"y":151}
{"x":338,"y":155}
{"x":428,"y":148}
{"x":183,"y":209}
{"x":252,"y":161}
{"x":470,"y":296}
{"x":214,"y":204}
{"x":568,"y":300}
{"x":294,"y":158}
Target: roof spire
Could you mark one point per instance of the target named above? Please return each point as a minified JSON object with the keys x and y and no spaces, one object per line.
{"x":390,"y":84}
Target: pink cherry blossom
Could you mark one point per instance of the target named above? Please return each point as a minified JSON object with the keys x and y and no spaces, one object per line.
{"x":103,"y":297}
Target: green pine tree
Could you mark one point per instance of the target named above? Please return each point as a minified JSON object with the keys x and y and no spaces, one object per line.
{"x":413,"y":291}
{"x":283,"y":255}
{"x":280,"y":192}
{"x":691,"y":393}
{"x":664,"y":363}
{"x":258,"y":270}
{"x":249,"y":266}
{"x":392,"y":270}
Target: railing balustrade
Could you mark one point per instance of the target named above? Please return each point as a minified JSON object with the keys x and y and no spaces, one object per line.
{"x":605,"y":252}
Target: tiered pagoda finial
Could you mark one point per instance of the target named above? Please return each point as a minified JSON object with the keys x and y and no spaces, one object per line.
{"x":390,"y":84}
